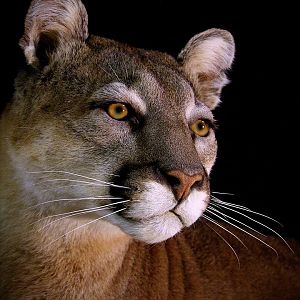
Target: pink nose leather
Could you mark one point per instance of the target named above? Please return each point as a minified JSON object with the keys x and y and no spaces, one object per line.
{"x":183,"y":184}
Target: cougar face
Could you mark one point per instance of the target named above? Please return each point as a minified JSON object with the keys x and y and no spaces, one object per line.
{"x":103,"y":123}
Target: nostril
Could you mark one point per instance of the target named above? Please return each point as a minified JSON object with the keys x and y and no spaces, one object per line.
{"x":182,"y":183}
{"x":198,"y":184}
{"x":173,"y":181}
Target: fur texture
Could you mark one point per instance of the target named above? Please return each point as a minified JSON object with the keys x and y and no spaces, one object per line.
{"x":93,"y":207}
{"x":205,"y":58}
{"x":58,"y":22}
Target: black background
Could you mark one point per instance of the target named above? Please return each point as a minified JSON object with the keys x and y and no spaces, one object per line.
{"x":257,"y":120}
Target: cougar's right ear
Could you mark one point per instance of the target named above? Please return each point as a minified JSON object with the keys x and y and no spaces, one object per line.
{"x":51,"y":24}
{"x":205,"y":60}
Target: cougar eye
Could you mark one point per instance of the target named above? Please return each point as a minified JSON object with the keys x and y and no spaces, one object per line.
{"x":118,"y":111}
{"x":201,"y":128}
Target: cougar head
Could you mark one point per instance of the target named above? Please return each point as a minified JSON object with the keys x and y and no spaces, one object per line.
{"x":115,"y":131}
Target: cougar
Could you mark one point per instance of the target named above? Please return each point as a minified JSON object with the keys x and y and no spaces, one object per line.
{"x":106,"y":152}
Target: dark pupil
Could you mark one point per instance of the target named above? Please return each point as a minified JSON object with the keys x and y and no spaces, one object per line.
{"x":201,"y":125}
{"x":119,"y":109}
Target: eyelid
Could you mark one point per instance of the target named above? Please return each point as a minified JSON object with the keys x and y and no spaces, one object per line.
{"x":211,"y":123}
{"x":103,"y":104}
{"x":123,"y":94}
{"x":133,"y":117}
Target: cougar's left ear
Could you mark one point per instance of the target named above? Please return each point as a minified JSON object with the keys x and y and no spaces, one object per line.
{"x":51,"y":25}
{"x":205,"y":59}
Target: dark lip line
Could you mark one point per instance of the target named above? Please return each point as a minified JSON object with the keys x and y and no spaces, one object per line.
{"x":178,"y":216}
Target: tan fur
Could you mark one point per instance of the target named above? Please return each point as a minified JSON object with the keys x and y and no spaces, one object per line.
{"x":205,"y":58}
{"x":71,"y":24}
{"x":195,"y":264}
{"x":159,"y":247}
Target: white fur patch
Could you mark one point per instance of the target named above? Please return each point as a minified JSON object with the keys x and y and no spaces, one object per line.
{"x":205,"y":59}
{"x":122,"y":93}
{"x":210,"y":57}
{"x":208,"y":52}
{"x":151,"y":212}
{"x":193,"y":207}
{"x":155,"y":200}
{"x":160,"y":228}
{"x":153,"y":230}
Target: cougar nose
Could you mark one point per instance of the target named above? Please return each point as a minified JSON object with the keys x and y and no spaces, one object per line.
{"x":182,"y":183}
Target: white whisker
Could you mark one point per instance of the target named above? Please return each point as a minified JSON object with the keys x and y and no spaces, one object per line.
{"x":69,"y":173}
{"x":76,"y":199}
{"x":70,"y":213}
{"x":244,"y":208}
{"x":218,"y":224}
{"x":82,"y":176}
{"x":216,"y":204}
{"x":226,"y":216}
{"x":127,"y":76}
{"x":86,"y":182}
{"x":222,"y":193}
{"x":110,"y":174}
{"x":105,"y":71}
{"x":116,"y":75}
{"x":86,"y":224}
{"x":92,"y":210}
{"x":243,"y":230}
{"x":67,"y":186}
{"x":238,"y":260}
{"x":276,"y":233}
{"x":75,"y":214}
{"x":72,"y":180}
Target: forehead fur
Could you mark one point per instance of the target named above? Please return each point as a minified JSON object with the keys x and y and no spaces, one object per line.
{"x":56,"y":35}
{"x":87,"y":67}
{"x":128,"y":61}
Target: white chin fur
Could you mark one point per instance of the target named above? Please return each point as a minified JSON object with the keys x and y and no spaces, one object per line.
{"x":154,"y":230}
{"x":152,"y":218}
{"x":156,"y":199}
{"x":192,"y":208}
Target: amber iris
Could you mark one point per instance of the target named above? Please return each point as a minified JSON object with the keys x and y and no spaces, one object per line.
{"x":200,"y":128}
{"x":118,"y":111}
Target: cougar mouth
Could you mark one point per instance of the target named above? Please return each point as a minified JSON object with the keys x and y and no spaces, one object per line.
{"x":152,"y":213}
{"x":179,"y":217}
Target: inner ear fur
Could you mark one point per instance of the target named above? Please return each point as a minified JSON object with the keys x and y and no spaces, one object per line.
{"x":205,"y":59}
{"x":50,"y":24}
